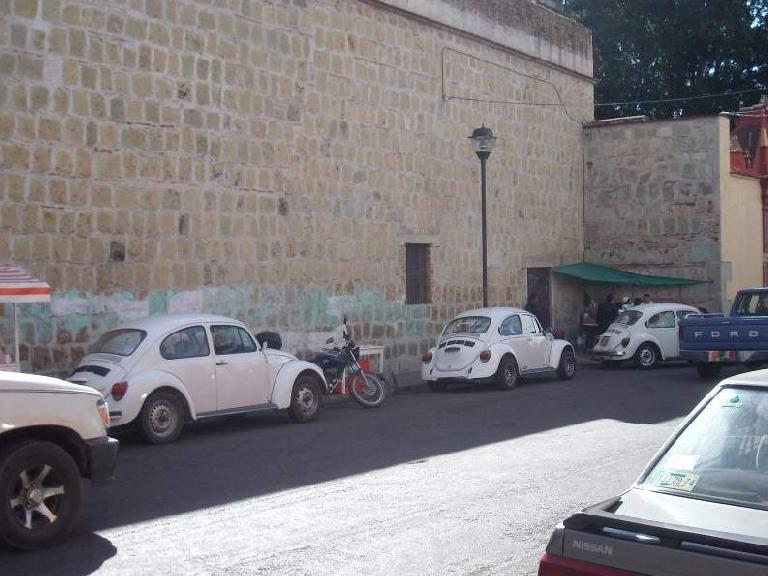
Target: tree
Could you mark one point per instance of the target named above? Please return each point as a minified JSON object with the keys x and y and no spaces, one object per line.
{"x":676,"y":49}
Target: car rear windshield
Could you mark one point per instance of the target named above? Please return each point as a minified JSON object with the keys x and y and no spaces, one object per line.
{"x":468,"y":325}
{"x":722,"y":455}
{"x":629,"y":317}
{"x":122,"y":342}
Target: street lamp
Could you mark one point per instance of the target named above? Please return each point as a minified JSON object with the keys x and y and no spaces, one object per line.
{"x":482,"y":141}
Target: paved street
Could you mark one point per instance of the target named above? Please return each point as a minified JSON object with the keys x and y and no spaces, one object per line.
{"x":465,"y":482}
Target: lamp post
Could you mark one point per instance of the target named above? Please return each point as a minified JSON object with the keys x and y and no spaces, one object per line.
{"x":482,"y":141}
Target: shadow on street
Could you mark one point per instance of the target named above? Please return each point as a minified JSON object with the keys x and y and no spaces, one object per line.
{"x":221,"y":461}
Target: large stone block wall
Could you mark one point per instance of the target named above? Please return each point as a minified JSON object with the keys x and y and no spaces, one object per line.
{"x":268,"y":160}
{"x":653,"y":203}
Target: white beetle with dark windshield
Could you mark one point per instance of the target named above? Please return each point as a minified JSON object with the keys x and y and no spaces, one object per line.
{"x":498,"y":345}
{"x":158,"y":372}
{"x":644,"y":334}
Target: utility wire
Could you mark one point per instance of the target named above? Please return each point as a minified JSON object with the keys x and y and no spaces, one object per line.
{"x":702,"y":97}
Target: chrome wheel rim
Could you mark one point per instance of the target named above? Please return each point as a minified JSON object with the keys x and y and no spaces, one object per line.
{"x":37,"y":497}
{"x":509,"y":374}
{"x":647,"y":357}
{"x":163,"y":418}
{"x":306,"y":399}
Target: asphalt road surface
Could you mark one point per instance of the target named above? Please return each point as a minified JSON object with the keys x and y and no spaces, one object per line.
{"x":470,"y":481}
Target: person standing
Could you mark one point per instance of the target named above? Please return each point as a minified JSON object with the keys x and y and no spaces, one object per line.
{"x":533,"y":306}
{"x":647,"y":298}
{"x":606,"y":313}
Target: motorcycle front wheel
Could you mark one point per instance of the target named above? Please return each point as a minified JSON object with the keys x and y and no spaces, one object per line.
{"x":367,"y":389}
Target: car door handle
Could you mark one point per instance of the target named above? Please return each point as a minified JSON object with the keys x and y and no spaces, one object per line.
{"x":222,"y":363}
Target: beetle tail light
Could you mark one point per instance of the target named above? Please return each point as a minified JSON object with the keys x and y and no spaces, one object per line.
{"x":625,"y":342}
{"x":426,"y":358}
{"x":485,"y":355}
{"x":119,"y":389}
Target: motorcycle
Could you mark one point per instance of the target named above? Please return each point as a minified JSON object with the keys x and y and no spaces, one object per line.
{"x":341,"y":366}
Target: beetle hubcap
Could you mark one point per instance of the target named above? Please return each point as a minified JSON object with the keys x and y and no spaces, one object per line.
{"x":36,"y":497}
{"x":509,"y":373}
{"x":305,"y":399}
{"x":162,"y":418}
{"x":647,"y":357}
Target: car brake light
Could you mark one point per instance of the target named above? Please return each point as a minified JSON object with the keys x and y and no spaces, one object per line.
{"x":559,"y":566}
{"x":485,"y":355}
{"x":426,"y":357}
{"x":625,"y":342}
{"x":119,"y":389}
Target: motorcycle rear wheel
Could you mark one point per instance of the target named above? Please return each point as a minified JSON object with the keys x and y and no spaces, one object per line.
{"x":367,"y":389}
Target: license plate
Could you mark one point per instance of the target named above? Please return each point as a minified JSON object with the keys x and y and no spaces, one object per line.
{"x":452,"y":349}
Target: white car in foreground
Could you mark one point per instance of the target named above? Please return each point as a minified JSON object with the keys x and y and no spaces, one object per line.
{"x":498,"y":345}
{"x":158,"y":372}
{"x":644,"y":334}
{"x":52,"y":434}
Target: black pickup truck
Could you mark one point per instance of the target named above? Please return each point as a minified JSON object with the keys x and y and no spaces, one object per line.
{"x":712,"y":340}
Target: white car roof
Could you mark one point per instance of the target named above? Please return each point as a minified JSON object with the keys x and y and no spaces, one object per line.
{"x":658,"y":307}
{"x":495,"y":313}
{"x":758,"y":378}
{"x":166,"y":322}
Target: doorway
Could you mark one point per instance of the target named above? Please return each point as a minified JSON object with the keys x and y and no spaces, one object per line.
{"x":539,"y":282}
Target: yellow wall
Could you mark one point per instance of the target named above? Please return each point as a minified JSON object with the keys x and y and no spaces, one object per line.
{"x":742,"y":227}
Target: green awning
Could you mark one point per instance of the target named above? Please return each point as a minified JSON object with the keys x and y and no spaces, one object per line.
{"x":605,"y":275}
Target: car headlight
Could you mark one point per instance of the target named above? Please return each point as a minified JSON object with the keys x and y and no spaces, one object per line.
{"x":103,"y":411}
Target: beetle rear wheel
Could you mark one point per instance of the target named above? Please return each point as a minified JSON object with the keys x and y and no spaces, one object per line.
{"x":162,"y":418}
{"x":507,"y":375}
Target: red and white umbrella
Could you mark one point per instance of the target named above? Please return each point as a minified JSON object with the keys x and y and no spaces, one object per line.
{"x":17,"y":286}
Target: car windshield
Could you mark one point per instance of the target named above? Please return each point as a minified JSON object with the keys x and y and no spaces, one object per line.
{"x":722,"y":455}
{"x":468,"y":325}
{"x":122,"y":342}
{"x":628,"y":317}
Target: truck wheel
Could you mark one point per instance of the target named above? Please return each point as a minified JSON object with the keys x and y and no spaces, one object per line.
{"x":707,"y":370}
{"x":162,"y":418}
{"x":646,"y":356}
{"x":40,"y":494}
{"x":507,"y":374}
{"x":305,"y":399}
{"x":566,"y":369}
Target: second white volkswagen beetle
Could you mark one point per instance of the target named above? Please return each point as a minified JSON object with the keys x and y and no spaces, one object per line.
{"x":159,"y":371}
{"x":644,"y":334}
{"x":498,"y":345}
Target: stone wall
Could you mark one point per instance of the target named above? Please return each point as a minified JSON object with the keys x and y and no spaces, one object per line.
{"x":653,"y":203}
{"x":268,"y":160}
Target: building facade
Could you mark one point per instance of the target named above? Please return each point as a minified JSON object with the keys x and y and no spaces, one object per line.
{"x":285,"y":162}
{"x":663,"y":198}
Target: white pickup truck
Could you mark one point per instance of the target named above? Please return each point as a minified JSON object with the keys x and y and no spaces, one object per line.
{"x":52,"y":433}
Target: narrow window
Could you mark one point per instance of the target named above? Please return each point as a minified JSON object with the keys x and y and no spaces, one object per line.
{"x":417,"y":281}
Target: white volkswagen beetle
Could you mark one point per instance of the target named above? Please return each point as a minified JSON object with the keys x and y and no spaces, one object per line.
{"x":645,"y":334}
{"x":498,"y":345}
{"x":162,"y":370}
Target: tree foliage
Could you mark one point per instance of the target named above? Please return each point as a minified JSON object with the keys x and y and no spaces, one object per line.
{"x":676,"y":49}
